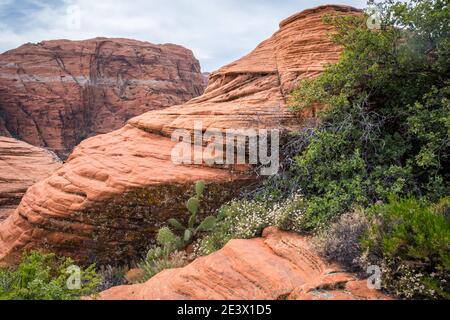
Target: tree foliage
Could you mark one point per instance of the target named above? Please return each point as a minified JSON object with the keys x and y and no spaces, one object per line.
{"x":386,"y":123}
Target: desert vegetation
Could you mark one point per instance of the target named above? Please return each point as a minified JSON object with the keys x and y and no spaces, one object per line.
{"x":369,"y":183}
{"x":43,"y":276}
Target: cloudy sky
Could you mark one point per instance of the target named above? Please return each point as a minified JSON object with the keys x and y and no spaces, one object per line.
{"x":218,"y":31}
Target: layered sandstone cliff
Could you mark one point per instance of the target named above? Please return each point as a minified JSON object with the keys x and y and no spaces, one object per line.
{"x":54,"y":94}
{"x":116,"y":189}
{"x":277,"y":266}
{"x":21,"y":166}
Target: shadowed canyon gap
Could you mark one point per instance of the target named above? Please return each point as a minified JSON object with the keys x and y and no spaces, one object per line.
{"x":117,"y":189}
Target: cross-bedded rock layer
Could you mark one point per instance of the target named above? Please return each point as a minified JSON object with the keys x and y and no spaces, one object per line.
{"x":116,"y":189}
{"x":279,"y":265}
{"x":54,"y":94}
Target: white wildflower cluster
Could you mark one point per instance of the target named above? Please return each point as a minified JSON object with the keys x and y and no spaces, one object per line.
{"x":252,"y":217}
{"x":197,"y":248}
{"x":246,"y":219}
{"x":290,"y":214}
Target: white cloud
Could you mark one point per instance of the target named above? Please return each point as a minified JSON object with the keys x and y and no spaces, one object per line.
{"x":218,"y":31}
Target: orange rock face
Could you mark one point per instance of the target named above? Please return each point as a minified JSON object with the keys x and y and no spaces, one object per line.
{"x":21,"y":166}
{"x":116,"y":189}
{"x":252,"y":92}
{"x":54,"y":94}
{"x":277,"y":266}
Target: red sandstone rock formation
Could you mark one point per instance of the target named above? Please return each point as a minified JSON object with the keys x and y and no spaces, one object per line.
{"x":277,"y":266}
{"x":21,"y":165}
{"x":54,"y":94}
{"x":116,"y":189}
{"x":206,"y":78}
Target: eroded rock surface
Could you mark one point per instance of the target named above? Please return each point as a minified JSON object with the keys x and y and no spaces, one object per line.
{"x":279,"y":265}
{"x":252,"y":92}
{"x":56,"y":93}
{"x":21,"y":166}
{"x":116,"y":189}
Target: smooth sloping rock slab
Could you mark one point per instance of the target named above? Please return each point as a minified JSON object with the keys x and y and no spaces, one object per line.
{"x":279,"y":265}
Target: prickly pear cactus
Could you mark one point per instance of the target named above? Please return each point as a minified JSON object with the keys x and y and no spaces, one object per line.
{"x":199,"y":188}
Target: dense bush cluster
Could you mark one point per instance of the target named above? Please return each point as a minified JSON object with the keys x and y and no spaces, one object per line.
{"x":366,"y":179}
{"x":386,"y":128}
{"x":384,"y":134}
{"x":407,"y":238}
{"x":42,"y":276}
{"x":411,"y":238}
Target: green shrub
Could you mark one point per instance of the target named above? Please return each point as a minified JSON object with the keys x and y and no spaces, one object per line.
{"x":386,"y":126}
{"x":412,"y":240}
{"x":410,"y":230}
{"x":42,"y":276}
{"x":408,"y":239}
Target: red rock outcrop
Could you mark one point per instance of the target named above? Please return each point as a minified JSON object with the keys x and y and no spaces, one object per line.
{"x":277,"y":266}
{"x":21,"y":166}
{"x":54,"y":94}
{"x":116,"y":189}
